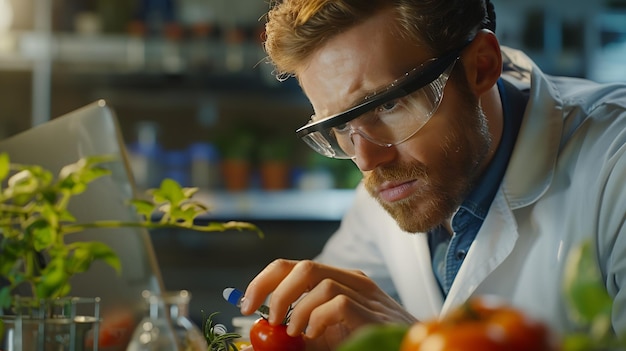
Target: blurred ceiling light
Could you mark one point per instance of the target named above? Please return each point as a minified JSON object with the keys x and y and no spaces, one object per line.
{"x":6,"y":15}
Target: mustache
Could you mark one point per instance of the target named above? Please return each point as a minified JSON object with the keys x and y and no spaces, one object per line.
{"x":398,"y":172}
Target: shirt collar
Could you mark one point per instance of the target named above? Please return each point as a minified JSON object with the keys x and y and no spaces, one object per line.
{"x":479,"y":200}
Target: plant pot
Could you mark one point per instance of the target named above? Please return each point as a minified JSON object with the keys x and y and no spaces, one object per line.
{"x":274,"y":175}
{"x":51,"y":325}
{"x":236,"y":174}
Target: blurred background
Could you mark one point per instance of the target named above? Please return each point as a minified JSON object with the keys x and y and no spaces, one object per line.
{"x":196,"y":100}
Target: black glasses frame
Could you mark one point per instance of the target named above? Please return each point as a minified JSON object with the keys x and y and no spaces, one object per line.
{"x":413,"y":81}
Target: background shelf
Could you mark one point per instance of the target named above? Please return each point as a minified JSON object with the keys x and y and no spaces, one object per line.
{"x":323,"y":205}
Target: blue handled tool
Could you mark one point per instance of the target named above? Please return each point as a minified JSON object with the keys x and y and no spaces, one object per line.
{"x":235,"y":296}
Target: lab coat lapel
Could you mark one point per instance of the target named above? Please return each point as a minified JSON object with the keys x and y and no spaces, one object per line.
{"x":424,"y":298}
{"x":493,"y":244}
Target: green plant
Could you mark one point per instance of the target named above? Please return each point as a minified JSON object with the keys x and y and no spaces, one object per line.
{"x":589,"y":303}
{"x":34,"y":220}
{"x":237,"y":144}
{"x":275,"y":148}
{"x":217,"y":337}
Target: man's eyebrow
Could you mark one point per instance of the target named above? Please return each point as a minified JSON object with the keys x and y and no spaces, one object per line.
{"x":365,"y":95}
{"x":362,"y":98}
{"x":369,"y":93}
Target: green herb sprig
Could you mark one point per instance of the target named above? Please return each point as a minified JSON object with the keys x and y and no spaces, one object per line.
{"x":217,"y":337}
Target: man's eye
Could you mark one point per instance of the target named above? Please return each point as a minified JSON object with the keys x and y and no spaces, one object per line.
{"x":387,"y":106}
{"x":342,"y":128}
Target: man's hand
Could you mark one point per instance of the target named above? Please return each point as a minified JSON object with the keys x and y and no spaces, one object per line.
{"x":328,"y":303}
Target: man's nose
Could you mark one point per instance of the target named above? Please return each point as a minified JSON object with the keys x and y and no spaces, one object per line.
{"x":369,"y":155}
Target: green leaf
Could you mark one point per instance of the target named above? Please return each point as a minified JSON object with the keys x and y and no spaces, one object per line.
{"x":80,"y":258}
{"x":7,"y":262}
{"x":76,"y":176}
{"x":54,"y":279}
{"x":577,"y":342}
{"x":5,"y":165}
{"x":26,"y":183}
{"x":94,"y":173}
{"x":387,"y":337}
{"x":143,"y":208}
{"x":196,"y":206}
{"x":190,"y":192}
{"x":65,"y":216}
{"x":50,"y":215}
{"x":42,"y":233}
{"x":170,"y":191}
{"x":183,"y":217}
{"x":98,"y":160}
{"x":87,"y":168}
{"x":72,"y":185}
{"x":84,"y":253}
{"x":22,"y":183}
{"x":50,"y":195}
{"x":5,"y":297}
{"x":584,"y":288}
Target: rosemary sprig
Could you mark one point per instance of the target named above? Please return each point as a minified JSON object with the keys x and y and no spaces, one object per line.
{"x":217,"y":337}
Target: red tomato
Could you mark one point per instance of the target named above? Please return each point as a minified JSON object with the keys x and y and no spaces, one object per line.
{"x":266,"y":337}
{"x":480,"y":324}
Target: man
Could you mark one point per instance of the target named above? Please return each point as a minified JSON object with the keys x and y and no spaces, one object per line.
{"x":480,"y":172}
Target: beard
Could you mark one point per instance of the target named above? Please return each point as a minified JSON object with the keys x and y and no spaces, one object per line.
{"x":444,"y":183}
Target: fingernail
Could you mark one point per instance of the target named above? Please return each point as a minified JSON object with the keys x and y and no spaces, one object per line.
{"x":245,"y":305}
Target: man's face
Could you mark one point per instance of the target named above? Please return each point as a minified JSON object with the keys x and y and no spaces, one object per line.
{"x":421,"y":181}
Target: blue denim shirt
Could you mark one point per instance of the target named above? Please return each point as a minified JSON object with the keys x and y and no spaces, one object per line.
{"x":448,"y":252}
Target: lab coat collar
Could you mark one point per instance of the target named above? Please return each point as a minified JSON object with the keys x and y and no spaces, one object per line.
{"x":492,"y":245}
{"x":531,"y":167}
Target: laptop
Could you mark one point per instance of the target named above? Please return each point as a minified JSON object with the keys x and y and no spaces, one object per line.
{"x":93,"y":130}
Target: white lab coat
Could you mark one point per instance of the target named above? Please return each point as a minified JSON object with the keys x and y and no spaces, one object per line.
{"x":565,"y":182}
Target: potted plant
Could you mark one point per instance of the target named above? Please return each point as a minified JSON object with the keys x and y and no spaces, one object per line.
{"x":237,"y":148}
{"x":34,"y":222}
{"x":274,"y":163}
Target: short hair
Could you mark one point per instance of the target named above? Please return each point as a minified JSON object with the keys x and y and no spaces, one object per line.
{"x":296,"y":28}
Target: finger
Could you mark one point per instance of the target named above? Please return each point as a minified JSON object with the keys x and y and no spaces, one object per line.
{"x":264,"y":284}
{"x":343,"y":314}
{"x":305,"y":276}
{"x":323,"y":292}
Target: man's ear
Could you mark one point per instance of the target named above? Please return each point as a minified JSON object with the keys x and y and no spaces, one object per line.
{"x":482,"y":61}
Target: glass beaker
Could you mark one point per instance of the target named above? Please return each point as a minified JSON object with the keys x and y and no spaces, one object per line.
{"x":55,"y":324}
{"x":188,"y":334}
{"x":155,"y":331}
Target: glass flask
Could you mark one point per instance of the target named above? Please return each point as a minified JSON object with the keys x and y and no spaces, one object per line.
{"x":155,"y":332}
{"x":189,"y":335}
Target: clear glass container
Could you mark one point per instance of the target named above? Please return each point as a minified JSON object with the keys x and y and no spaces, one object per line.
{"x":57,"y":324}
{"x":155,"y":332}
{"x":189,"y":335}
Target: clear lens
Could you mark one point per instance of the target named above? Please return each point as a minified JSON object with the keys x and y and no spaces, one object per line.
{"x":389,"y":124}
{"x":324,"y":145}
